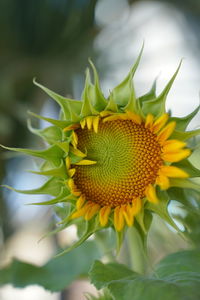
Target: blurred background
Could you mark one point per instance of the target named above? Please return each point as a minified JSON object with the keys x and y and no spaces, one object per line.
{"x":52,"y":41}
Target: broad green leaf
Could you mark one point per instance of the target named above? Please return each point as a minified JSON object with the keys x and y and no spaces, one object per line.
{"x":56,"y":274}
{"x":157,"y":105}
{"x":102,"y":274}
{"x":177,"y":277}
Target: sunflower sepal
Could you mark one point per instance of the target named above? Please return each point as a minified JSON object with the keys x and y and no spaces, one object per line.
{"x":157,"y":106}
{"x":92,"y":226}
{"x":162,"y":208}
{"x":144,"y":220}
{"x":188,"y":167}
{"x":70,"y":108}
{"x":182,"y":123}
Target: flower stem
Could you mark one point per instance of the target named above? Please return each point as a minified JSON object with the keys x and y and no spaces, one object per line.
{"x":137,"y":251}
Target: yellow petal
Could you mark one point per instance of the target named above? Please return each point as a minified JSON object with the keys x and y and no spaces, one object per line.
{"x":104,"y":215}
{"x":165,"y":133}
{"x":160,"y":122}
{"x":149,"y":120}
{"x":163,"y":182}
{"x":89,"y":121}
{"x":118,"y":218}
{"x":96,"y":124}
{"x":128,"y":215}
{"x":112,"y":118}
{"x":74,"y":139}
{"x":80,"y":202}
{"x":71,"y":172}
{"x":151,"y":194}
{"x":81,"y":212}
{"x":73,"y":187}
{"x":173,"y":145}
{"x":91,"y":211}
{"x":172,"y":171}
{"x":136,"y":205}
{"x":85,"y":162}
{"x":71,"y":184}
{"x":106,"y":113}
{"x":71,"y":127}
{"x":136,"y":118}
{"x":77,"y":152}
{"x":67,"y":161}
{"x":83,"y":122}
{"x":176,"y":156}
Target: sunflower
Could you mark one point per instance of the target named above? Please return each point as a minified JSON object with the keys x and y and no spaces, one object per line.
{"x":124,"y":157}
{"x":112,"y":162}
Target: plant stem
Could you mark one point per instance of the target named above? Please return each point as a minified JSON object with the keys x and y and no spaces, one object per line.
{"x":137,"y":251}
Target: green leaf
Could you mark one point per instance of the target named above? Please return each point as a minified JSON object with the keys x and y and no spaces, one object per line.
{"x":161,"y":208}
{"x":63,"y":196}
{"x":101,"y":275}
{"x":123,"y":94}
{"x":58,"y":123}
{"x":71,"y":108}
{"x":56,"y":274}
{"x":184,"y":183}
{"x":188,"y":167}
{"x":51,"y":187}
{"x":150,"y":95}
{"x":98,"y":100}
{"x":60,"y":172}
{"x":91,"y":227}
{"x":183,"y":136}
{"x":157,"y":105}
{"x":182,"y":123}
{"x":50,"y":134}
{"x":177,"y":277}
{"x":111,"y":106}
{"x":53,"y":153}
{"x":87,"y":108}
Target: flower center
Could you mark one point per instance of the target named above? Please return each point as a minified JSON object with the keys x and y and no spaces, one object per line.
{"x":128,"y":158}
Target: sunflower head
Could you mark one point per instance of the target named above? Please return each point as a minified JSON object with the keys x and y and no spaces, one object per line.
{"x":111,"y":162}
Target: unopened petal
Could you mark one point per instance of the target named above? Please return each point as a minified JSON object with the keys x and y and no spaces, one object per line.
{"x":118,"y":218}
{"x":163,"y":182}
{"x":96,"y":124}
{"x":160,"y":122}
{"x":165,"y":133}
{"x":128,"y":215}
{"x":91,"y":211}
{"x":85,"y":162}
{"x":150,"y":193}
{"x":104,"y":215}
